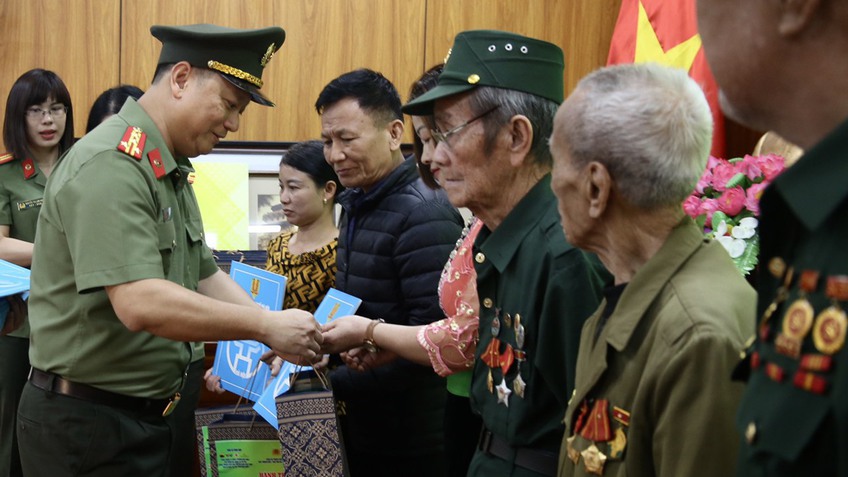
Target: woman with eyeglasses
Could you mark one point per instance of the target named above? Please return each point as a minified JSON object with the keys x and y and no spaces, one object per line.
{"x":38,"y":127}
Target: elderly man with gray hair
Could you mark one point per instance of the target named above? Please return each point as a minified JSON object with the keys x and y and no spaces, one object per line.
{"x":653,"y":395}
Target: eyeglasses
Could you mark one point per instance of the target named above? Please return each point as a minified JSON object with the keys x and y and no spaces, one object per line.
{"x":57,"y":111}
{"x":440,"y":136}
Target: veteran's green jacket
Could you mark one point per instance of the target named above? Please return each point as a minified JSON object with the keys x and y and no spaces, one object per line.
{"x":653,"y":395}
{"x":794,"y":415}
{"x":528,"y":275}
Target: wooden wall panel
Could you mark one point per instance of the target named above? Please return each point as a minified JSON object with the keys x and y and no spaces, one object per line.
{"x":582,"y":28}
{"x":324,"y":38}
{"x":78,"y":39}
{"x":97,"y":44}
{"x":588,"y":31}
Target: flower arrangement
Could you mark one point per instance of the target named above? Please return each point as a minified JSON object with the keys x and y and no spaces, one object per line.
{"x":725,"y":203}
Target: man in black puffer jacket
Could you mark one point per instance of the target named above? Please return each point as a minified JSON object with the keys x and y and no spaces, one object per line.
{"x":394,"y":239}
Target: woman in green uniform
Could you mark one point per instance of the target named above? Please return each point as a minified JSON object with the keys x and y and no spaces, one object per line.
{"x":37,"y":129}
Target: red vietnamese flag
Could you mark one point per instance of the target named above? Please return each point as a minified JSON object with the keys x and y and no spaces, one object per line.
{"x":666,"y":32}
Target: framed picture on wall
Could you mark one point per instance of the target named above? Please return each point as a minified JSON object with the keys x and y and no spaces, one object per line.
{"x":265,"y":211}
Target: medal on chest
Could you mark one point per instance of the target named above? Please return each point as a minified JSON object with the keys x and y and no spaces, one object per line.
{"x":500,"y":354}
{"x":605,"y":443}
{"x":798,"y":318}
{"x":830,"y":327}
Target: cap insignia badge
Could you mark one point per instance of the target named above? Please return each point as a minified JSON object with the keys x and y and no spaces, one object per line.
{"x":269,"y":53}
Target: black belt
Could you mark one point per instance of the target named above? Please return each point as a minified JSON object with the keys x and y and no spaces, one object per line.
{"x":54,"y":383}
{"x":539,"y":461}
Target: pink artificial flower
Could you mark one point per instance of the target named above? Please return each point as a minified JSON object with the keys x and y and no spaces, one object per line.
{"x":750,"y":166}
{"x":692,"y":206}
{"x":723,"y":172}
{"x":772,"y":165}
{"x":709,"y":206}
{"x":704,"y":182}
{"x":752,"y":197}
{"x":732,"y":201}
{"x":712,"y":162}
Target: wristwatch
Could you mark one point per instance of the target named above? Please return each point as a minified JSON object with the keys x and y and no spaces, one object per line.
{"x":369,"y":343}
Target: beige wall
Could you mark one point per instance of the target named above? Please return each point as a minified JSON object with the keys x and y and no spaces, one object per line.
{"x":96,"y":44}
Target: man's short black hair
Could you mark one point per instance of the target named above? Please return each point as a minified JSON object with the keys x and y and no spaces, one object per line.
{"x":374,"y":93}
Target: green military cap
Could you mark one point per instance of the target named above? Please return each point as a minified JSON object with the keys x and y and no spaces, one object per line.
{"x":500,"y":59}
{"x":238,"y":55}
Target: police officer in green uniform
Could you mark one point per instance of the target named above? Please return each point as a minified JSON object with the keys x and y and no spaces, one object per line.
{"x":494,"y":107}
{"x":37,"y":128}
{"x":793,"y":419}
{"x":122,"y":279}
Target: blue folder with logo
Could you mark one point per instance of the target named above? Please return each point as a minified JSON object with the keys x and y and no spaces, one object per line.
{"x":237,"y":362}
{"x":13,"y":279}
{"x":334,"y":305}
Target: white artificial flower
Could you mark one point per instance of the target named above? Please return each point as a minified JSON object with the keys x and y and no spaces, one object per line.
{"x":721,"y":230}
{"x":746,"y":229}
{"x":735,"y":247}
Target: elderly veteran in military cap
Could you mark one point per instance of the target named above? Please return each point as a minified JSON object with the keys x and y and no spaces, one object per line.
{"x":493,"y":109}
{"x":122,"y":278}
{"x":653,"y":395}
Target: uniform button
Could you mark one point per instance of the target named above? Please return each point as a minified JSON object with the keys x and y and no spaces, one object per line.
{"x":487,"y":302}
{"x":173,"y":244}
{"x":479,"y":258}
{"x":751,"y":433}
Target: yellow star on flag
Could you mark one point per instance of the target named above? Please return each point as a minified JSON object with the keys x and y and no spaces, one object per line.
{"x":648,"y":48}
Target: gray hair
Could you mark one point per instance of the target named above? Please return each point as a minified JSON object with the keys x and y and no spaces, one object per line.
{"x":649,"y":125}
{"x":540,"y":111}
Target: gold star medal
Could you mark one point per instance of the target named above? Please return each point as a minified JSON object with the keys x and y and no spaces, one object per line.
{"x":593,"y":460}
{"x":518,"y":386}
{"x":573,"y":455}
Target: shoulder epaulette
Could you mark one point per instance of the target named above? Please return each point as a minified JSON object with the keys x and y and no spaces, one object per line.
{"x":156,"y":163}
{"x":8,"y":157}
{"x":132,"y":144}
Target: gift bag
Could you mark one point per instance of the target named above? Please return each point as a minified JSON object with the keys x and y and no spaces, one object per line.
{"x":237,"y":442}
{"x":309,"y":432}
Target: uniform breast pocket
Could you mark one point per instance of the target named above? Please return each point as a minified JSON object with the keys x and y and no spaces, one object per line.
{"x":194,"y":230}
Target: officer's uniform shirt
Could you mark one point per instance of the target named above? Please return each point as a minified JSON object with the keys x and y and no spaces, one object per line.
{"x":529,"y":276}
{"x":21,"y":192}
{"x":111,"y":217}
{"x":794,"y":415}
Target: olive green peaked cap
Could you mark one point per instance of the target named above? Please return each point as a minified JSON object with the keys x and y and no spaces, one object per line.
{"x":500,"y":59}
{"x":238,"y":55}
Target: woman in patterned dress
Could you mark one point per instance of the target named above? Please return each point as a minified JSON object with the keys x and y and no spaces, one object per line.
{"x":306,"y":253}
